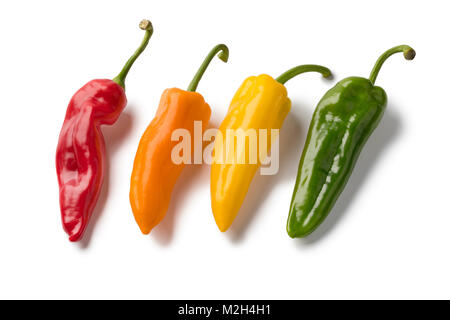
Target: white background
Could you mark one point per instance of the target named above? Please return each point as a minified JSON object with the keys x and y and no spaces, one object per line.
{"x":387,"y":237}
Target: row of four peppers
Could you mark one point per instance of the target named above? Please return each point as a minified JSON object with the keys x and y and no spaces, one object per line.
{"x":260,"y":103}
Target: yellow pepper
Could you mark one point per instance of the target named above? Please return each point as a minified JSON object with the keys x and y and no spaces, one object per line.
{"x":260,"y":103}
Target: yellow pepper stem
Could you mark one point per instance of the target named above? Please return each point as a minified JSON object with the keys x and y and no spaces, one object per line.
{"x":302,"y":69}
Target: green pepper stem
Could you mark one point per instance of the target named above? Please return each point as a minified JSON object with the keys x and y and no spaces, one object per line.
{"x":144,"y":25}
{"x":408,"y":53}
{"x":223,"y":55}
{"x":302,"y":69}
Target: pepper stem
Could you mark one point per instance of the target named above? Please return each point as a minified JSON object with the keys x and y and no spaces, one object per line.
{"x":302,"y":69}
{"x":408,"y":53}
{"x":144,"y":25}
{"x":223,"y":55}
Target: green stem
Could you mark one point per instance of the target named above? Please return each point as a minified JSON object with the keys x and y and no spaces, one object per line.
{"x":302,"y":69}
{"x":223,"y":55}
{"x":144,"y":25}
{"x":408,"y":53}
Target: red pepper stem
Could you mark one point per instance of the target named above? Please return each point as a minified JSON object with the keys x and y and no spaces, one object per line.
{"x":223,"y":52}
{"x":302,"y":69}
{"x":408,"y":53}
{"x":144,"y":25}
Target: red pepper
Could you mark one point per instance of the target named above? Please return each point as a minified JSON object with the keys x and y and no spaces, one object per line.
{"x":81,"y":146}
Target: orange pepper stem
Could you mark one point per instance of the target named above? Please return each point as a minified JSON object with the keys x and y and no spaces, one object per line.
{"x":223,"y":52}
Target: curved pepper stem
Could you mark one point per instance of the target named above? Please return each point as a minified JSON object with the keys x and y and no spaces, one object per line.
{"x":144,"y":25}
{"x":223,"y":55}
{"x":302,"y":69}
{"x":408,"y":53}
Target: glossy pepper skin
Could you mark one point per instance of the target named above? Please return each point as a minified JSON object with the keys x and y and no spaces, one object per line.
{"x":343,"y":121}
{"x":154,"y":173}
{"x":81,"y":146}
{"x":260,"y":103}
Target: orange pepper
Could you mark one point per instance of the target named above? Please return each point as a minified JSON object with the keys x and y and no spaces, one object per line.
{"x":154,"y":172}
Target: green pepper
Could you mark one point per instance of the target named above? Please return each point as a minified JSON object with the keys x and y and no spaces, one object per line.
{"x":342,"y":122}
